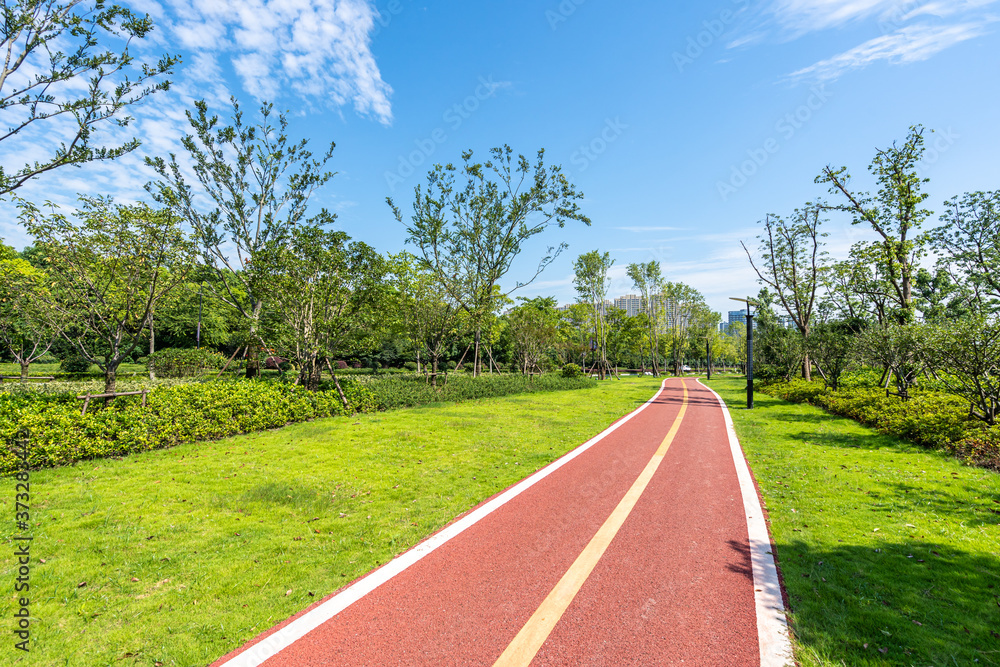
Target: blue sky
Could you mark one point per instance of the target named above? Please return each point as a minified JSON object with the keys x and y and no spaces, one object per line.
{"x":683,"y":126}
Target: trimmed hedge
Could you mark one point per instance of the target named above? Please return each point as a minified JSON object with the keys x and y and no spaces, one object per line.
{"x":930,"y":419}
{"x":184,"y":362}
{"x":390,"y":392}
{"x":59,"y":435}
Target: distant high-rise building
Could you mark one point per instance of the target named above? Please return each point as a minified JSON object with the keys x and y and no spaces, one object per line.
{"x":630,"y":303}
{"x":737,"y":316}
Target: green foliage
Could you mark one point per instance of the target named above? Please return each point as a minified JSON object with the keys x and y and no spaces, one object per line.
{"x":401,"y":391}
{"x":60,"y":435}
{"x":75,"y":80}
{"x":108,"y":271}
{"x":571,"y":371}
{"x":930,"y":419}
{"x":75,"y":364}
{"x":176,"y":363}
{"x":410,"y":366}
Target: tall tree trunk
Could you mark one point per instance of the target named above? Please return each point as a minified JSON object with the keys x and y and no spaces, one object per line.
{"x":476,"y":361}
{"x":152,"y":348}
{"x":24,"y":370}
{"x":315,"y":372}
{"x":806,"y":368}
{"x":418,"y":359}
{"x":110,"y":379}
{"x":253,"y":351}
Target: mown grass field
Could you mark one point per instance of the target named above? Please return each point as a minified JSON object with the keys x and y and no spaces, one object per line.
{"x":890,"y":552}
{"x":177,"y":556}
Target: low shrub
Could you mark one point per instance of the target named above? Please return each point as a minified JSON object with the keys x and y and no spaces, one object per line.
{"x":74,"y":364}
{"x":410,"y":366}
{"x":184,"y":362}
{"x":982,"y":450}
{"x":401,"y":391}
{"x":571,"y":371}
{"x":929,"y":418}
{"x":59,"y":435}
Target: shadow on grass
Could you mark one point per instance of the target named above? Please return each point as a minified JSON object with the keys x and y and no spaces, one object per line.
{"x":911,"y":602}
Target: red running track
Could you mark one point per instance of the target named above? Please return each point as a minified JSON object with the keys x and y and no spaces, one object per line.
{"x":675,"y":585}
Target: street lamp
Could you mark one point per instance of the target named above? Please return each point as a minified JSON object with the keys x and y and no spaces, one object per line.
{"x":749,"y":302}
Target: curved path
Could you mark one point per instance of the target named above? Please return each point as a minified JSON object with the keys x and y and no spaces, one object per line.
{"x":646,"y":545}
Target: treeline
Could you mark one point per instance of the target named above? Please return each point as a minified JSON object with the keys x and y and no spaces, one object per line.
{"x":920,"y":304}
{"x":228,"y":258}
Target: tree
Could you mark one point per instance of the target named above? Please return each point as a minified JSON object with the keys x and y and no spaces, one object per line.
{"x":855,"y":289}
{"x":625,"y":337}
{"x":533,"y":328}
{"x":108,"y":272}
{"x":896,"y":348}
{"x":28,"y":324}
{"x":895,"y":213}
{"x":324,"y":293}
{"x":968,"y":352}
{"x":970,"y":241}
{"x":778,"y":351}
{"x":259,"y":185}
{"x":679,"y":303}
{"x":791,"y":264}
{"x":428,"y":313}
{"x":58,"y":77}
{"x":574,"y":333}
{"x":831,"y":347}
{"x":938,"y":297}
{"x":469,"y":237}
{"x":648,"y":279}
{"x":590,"y":278}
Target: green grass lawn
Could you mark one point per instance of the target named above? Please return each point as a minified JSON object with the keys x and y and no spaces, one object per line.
{"x":175,"y":557}
{"x":890,"y":553}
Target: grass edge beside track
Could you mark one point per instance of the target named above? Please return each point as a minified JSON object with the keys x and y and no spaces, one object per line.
{"x":890,"y":553}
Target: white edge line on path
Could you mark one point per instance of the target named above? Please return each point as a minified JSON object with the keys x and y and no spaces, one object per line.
{"x":286,"y":636}
{"x":772,"y":626}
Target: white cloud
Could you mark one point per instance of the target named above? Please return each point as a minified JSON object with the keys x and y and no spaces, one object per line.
{"x":911,"y":30}
{"x":910,"y":44}
{"x":319,"y":50}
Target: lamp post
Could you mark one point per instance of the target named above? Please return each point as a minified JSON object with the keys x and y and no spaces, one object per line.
{"x":748,"y":301}
{"x":708,"y":358}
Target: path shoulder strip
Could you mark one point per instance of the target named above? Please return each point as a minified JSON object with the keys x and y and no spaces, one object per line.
{"x":272,"y":644}
{"x":772,"y":626}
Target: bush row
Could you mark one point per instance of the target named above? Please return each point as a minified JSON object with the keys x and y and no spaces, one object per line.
{"x":928,"y":418}
{"x":401,"y":391}
{"x":58,"y":434}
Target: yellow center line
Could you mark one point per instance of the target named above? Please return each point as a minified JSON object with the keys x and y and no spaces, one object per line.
{"x":525,"y":645}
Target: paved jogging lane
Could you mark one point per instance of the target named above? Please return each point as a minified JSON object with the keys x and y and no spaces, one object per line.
{"x":644,"y":546}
